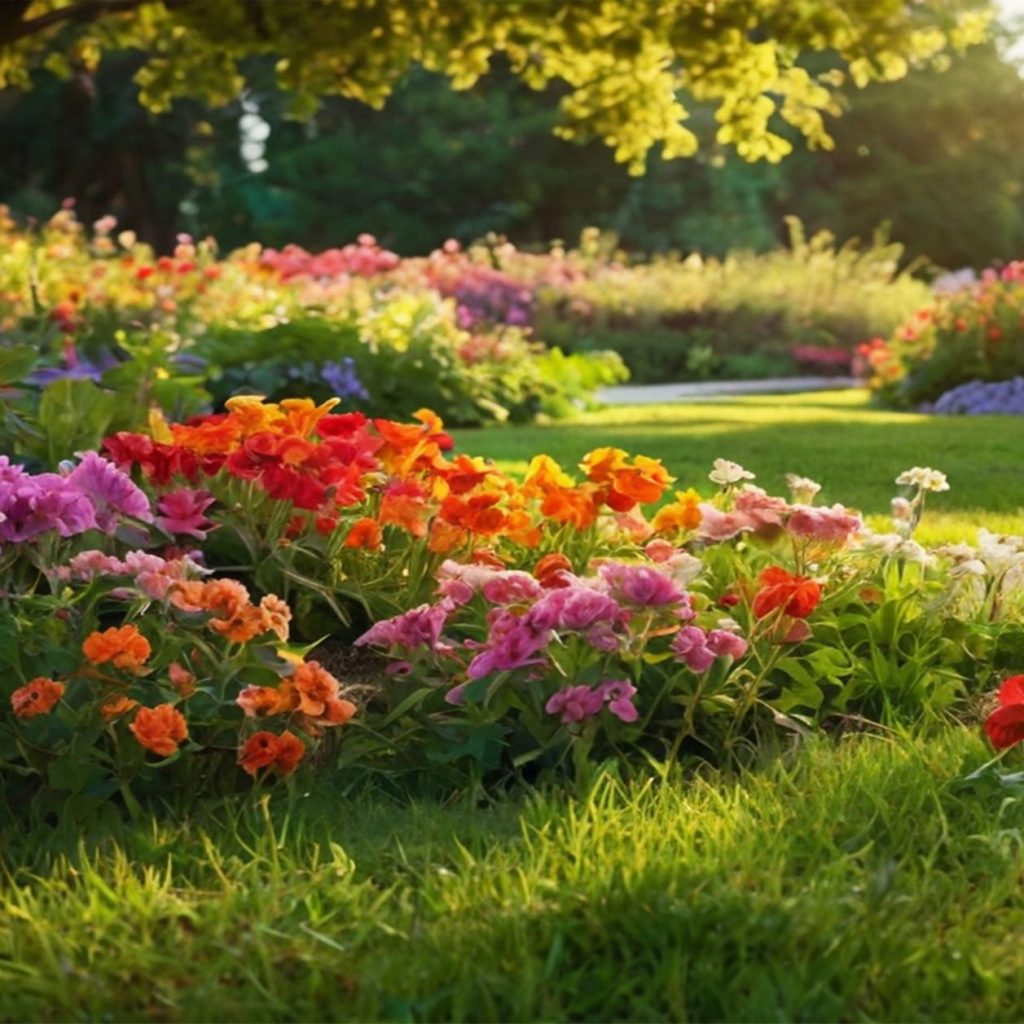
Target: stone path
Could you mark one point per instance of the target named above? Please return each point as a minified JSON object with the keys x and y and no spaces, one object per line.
{"x":648,"y":394}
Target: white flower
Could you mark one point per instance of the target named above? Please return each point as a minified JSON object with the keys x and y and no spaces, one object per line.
{"x":726,"y":472}
{"x":802,"y":488}
{"x":924,"y":477}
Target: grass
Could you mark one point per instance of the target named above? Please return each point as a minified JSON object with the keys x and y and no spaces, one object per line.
{"x":863,"y":883}
{"x":854,"y":451}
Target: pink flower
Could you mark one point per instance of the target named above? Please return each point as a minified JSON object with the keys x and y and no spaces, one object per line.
{"x":620,"y":693}
{"x":690,"y":645}
{"x":420,"y":627}
{"x":459,"y":583}
{"x":754,"y":510}
{"x":511,"y":587}
{"x":181,"y":512}
{"x":111,"y":491}
{"x":575,"y":703}
{"x":87,"y":564}
{"x":726,"y":644}
{"x":832,"y":525}
{"x":639,"y":584}
{"x":660,"y":550}
{"x":574,"y":608}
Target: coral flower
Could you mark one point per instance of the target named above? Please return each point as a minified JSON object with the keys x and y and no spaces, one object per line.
{"x":798,"y":595}
{"x":181,"y":679}
{"x":264,"y":701}
{"x":160,"y":729}
{"x":36,"y":698}
{"x":551,"y":569}
{"x":316,"y":687}
{"x":125,"y":646}
{"x":265,"y":750}
{"x":1005,"y":726}
{"x":365,"y":533}
{"x":116,"y":707}
{"x":276,"y":616}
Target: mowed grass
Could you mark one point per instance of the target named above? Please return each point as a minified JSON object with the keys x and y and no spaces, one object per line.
{"x":856,"y":880}
{"x":855,"y":452}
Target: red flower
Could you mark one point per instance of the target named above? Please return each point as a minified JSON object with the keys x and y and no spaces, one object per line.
{"x":798,"y":595}
{"x":1005,"y":726}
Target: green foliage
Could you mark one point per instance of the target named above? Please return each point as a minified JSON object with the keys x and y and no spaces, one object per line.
{"x":622,"y":65}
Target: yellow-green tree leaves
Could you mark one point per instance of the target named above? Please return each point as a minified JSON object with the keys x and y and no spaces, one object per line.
{"x":622,"y":64}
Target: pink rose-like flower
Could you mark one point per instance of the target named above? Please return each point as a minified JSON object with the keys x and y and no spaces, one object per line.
{"x":514,"y":642}
{"x":832,"y":525}
{"x":640,"y":585}
{"x":511,"y":587}
{"x":575,"y":703}
{"x":574,"y":608}
{"x":112,"y":492}
{"x":181,"y":512}
{"x":459,"y":583}
{"x":87,"y":564}
{"x":690,"y":646}
{"x":726,"y":644}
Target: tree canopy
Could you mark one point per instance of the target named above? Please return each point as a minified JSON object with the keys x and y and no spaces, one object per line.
{"x":620,"y":65}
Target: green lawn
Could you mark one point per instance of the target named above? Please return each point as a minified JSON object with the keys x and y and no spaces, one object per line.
{"x":855,"y":883}
{"x":854,"y":451}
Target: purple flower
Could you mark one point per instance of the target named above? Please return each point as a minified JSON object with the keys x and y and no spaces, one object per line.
{"x":690,"y":645}
{"x":620,"y":693}
{"x":181,"y":512}
{"x":420,"y":627}
{"x":111,"y":492}
{"x":575,"y":703}
{"x":343,"y":379}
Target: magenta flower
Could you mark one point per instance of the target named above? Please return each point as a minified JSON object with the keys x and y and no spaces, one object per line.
{"x":574,"y":608}
{"x":112,"y":492}
{"x":620,"y":693}
{"x":420,"y":627}
{"x":33,"y":505}
{"x":181,"y":512}
{"x":575,"y":703}
{"x":514,"y":642}
{"x":690,"y":646}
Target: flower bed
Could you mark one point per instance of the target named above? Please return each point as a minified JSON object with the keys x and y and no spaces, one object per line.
{"x":164,"y":635}
{"x":956,"y":352}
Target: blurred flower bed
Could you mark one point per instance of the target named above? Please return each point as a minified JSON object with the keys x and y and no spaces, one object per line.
{"x":961,"y":354}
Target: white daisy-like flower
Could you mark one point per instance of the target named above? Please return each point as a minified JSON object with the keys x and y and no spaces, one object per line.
{"x":726,"y":472}
{"x":924,"y":477}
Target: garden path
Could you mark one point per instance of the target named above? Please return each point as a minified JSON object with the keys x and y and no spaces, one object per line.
{"x":644,"y":394}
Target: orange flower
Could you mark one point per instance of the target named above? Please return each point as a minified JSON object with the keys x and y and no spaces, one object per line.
{"x":116,"y":707}
{"x":601,"y":464}
{"x":466,"y":472}
{"x":544,"y":474}
{"x":365,"y":533}
{"x":181,"y":679}
{"x":682,"y":514}
{"x":160,"y":729}
{"x":477,"y":514}
{"x":575,"y":505}
{"x":316,"y":687}
{"x":798,"y":595}
{"x":226,"y":597}
{"x":301,"y":415}
{"x":550,"y":569}
{"x":264,"y":749}
{"x":276,"y":616}
{"x":643,"y":482}
{"x":36,"y":698}
{"x":252,"y":415}
{"x":445,"y":538}
{"x":187,"y":595}
{"x":404,"y":505}
{"x":125,"y":646}
{"x":265,"y":701}
{"x":339,"y":711}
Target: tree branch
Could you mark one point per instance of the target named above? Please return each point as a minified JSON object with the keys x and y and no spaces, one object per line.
{"x":13,"y":26}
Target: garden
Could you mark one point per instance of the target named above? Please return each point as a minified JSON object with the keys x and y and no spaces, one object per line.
{"x":362,"y":660}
